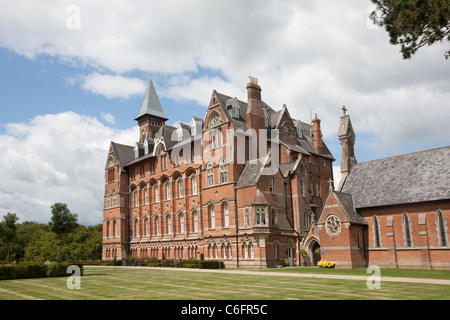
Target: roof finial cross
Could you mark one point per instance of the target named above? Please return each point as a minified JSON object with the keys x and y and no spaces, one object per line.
{"x":344,"y":109}
{"x":330,"y":184}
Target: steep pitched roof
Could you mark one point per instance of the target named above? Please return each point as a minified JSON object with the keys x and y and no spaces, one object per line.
{"x":345,"y":201}
{"x":125,"y":154}
{"x":409,"y":178}
{"x":150,"y":104}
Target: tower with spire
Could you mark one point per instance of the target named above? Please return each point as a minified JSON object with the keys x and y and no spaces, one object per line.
{"x":151,"y":116}
{"x":347,"y":140}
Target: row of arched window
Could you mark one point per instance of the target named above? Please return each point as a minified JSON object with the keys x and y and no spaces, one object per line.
{"x":407,"y":230}
{"x":165,"y":225}
{"x":154,"y":192}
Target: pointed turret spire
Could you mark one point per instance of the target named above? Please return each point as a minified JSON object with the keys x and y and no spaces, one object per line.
{"x":150,"y":104}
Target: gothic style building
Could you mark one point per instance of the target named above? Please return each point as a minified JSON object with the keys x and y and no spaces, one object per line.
{"x":243,"y":185}
{"x":391,"y":212}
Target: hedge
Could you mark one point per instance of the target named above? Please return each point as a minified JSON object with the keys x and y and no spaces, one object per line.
{"x":26,"y":270}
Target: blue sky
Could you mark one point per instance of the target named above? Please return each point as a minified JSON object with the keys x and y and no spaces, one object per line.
{"x":66,"y":92}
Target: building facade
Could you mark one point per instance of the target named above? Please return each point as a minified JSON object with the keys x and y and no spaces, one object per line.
{"x":242,"y":185}
{"x":391,"y":212}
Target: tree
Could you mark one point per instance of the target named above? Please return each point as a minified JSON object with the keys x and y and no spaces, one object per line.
{"x":8,"y":230}
{"x":62,"y":222}
{"x":414,"y":23}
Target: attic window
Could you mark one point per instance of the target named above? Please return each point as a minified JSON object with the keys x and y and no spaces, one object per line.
{"x":299,"y":130}
{"x":235,"y":110}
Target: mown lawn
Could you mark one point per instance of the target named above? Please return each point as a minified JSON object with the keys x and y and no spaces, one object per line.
{"x":384,"y":272}
{"x":156,"y":284}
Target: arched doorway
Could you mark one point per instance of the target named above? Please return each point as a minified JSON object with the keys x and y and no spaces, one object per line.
{"x":315,"y":253}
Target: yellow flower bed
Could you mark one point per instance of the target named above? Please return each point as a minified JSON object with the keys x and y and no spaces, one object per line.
{"x":326,"y":264}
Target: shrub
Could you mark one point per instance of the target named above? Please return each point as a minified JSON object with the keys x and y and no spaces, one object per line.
{"x":60,"y":269}
{"x":23,"y":270}
{"x":189,"y":263}
{"x":210,"y":264}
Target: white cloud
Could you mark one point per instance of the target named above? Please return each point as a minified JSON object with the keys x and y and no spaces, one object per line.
{"x":56,"y":158}
{"x":113,"y":86}
{"x":108,"y":117}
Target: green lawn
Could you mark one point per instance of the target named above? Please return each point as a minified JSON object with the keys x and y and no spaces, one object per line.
{"x":156,"y":284}
{"x":386,"y":272}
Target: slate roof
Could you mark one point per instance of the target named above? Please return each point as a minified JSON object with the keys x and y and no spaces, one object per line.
{"x":125,"y":154}
{"x":150,"y":104}
{"x":345,"y":201}
{"x":410,"y":178}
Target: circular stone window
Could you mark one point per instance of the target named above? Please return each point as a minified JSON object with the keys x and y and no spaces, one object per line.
{"x":333,"y":225}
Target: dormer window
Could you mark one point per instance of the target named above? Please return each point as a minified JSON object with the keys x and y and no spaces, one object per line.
{"x":235,"y":109}
{"x":136,"y":151}
{"x":300,"y":130}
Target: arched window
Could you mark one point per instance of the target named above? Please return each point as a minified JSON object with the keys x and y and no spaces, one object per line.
{"x":229,"y":251}
{"x":226,"y":215}
{"x":247,"y":217}
{"x":440,"y":221}
{"x":168,"y":190}
{"x":136,"y":203}
{"x":156,"y":191}
{"x":146,"y":224}
{"x":376,"y":232}
{"x":194,"y":184}
{"x":305,"y":219}
{"x":260,"y":216}
{"x":252,"y":251}
{"x":302,"y":186}
{"x":114,"y":199}
{"x":157,"y":225}
{"x":136,"y":231}
{"x":212,"y":216}
{"x":407,"y":230}
{"x":223,"y":171}
{"x":245,"y":250}
{"x":182,"y":222}
{"x":195,"y":221}
{"x":146,"y":195}
{"x":107,"y":229}
{"x":209,"y":175}
{"x":114,"y":228}
{"x":108,"y":200}
{"x":180,"y":188}
{"x":169,"y":224}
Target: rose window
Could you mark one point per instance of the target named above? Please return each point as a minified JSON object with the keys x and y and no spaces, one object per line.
{"x":333,"y":225}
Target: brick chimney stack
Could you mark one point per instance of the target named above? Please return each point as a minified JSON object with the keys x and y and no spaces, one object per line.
{"x":318,"y":143}
{"x":255,"y":115}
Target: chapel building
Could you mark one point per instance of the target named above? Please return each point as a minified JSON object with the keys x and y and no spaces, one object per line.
{"x":390,"y":212}
{"x":242,"y":185}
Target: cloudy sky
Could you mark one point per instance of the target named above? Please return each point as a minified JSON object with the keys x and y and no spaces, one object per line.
{"x":73,"y":75}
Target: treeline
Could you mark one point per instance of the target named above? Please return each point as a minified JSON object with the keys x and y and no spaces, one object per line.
{"x":60,"y":240}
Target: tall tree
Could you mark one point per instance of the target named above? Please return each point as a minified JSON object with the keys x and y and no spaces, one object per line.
{"x":62,"y":222}
{"x":8,"y":230}
{"x":414,"y":23}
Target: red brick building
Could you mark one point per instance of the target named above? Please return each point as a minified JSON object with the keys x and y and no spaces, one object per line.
{"x":242,"y":185}
{"x":391,"y":212}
